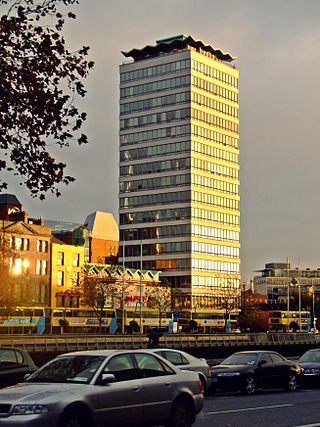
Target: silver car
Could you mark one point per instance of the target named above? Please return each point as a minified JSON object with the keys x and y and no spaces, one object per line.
{"x":186,"y":361}
{"x":104,"y":388}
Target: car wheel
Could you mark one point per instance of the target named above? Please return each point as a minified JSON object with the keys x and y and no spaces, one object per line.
{"x":292,"y":382}
{"x":249,"y":386}
{"x":182,"y":415}
{"x":74,"y":419}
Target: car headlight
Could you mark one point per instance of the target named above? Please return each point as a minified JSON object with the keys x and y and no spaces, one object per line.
{"x":29,"y":409}
{"x":228,"y":374}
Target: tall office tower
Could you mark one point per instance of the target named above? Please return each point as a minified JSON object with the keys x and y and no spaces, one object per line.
{"x":179,"y":167}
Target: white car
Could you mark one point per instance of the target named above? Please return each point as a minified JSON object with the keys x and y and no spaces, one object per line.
{"x":188,"y":362}
{"x":104,"y":388}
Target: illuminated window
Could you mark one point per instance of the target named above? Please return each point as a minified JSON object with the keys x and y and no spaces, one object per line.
{"x":60,"y":278}
{"x":42,"y":246}
{"x":26,"y":244}
{"x":60,"y":258}
{"x":76,"y":260}
{"x":75,"y":278}
{"x":38,"y":266}
{"x":18,"y":243}
{"x":43,"y":267}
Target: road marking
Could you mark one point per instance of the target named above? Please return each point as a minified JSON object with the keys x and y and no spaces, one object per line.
{"x":254,"y":408}
{"x":309,"y":425}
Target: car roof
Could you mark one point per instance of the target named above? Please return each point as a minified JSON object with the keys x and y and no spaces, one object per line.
{"x":104,"y":353}
{"x":167,"y":349}
{"x":255,"y":352}
{"x":12,"y":348}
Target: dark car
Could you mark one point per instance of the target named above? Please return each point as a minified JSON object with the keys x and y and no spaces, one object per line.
{"x":249,"y":370}
{"x":310,"y":367}
{"x":15,"y":363}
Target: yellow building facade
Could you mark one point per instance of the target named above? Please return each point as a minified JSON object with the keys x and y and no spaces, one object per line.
{"x":67,"y":262}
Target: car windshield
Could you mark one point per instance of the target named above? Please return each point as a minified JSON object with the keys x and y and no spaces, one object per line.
{"x":240,"y":359}
{"x":310,"y":356}
{"x":75,"y":369}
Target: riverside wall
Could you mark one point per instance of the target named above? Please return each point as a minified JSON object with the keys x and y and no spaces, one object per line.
{"x":212,"y":347}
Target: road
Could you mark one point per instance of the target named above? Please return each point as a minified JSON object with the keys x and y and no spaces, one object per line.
{"x":265,"y":409}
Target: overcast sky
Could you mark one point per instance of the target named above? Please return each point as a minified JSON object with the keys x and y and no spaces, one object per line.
{"x":277,"y":45}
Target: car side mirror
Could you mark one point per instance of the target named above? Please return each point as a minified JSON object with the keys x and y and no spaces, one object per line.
{"x":262,"y":362}
{"x":107,"y":379}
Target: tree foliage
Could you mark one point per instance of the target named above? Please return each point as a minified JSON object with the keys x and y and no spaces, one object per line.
{"x":159,"y":297}
{"x":229,"y":300}
{"x":99,"y":291}
{"x":40,"y":80}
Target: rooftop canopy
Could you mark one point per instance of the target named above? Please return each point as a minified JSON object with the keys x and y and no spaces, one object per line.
{"x":176,"y":42}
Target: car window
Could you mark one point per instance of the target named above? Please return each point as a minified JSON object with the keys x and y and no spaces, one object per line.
{"x":310,"y":356}
{"x":266,"y":357}
{"x":276,"y":358}
{"x":10,"y":358}
{"x":150,"y":366}
{"x":121,"y":366}
{"x":69,"y":368}
{"x":175,"y":358}
{"x":240,"y":359}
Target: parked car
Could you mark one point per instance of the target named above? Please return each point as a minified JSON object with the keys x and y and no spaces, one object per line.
{"x":105,"y":387}
{"x":248,"y":370}
{"x":15,"y":363}
{"x":310,"y":367}
{"x":188,"y":362}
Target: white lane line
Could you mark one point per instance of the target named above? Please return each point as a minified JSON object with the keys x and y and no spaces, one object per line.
{"x":309,"y":425}
{"x":254,"y":408}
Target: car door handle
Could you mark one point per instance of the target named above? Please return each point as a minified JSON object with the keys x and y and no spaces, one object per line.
{"x":136,"y":388}
{"x":168,"y":384}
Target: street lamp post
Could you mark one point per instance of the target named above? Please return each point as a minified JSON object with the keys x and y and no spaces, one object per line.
{"x":314,"y":313}
{"x":295,"y":282}
{"x":311,"y":290}
{"x":140,"y":293}
{"x":288,"y":292}
{"x":299,"y":290}
{"x":123,"y":283}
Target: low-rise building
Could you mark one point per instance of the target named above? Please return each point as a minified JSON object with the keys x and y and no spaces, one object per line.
{"x":104,"y":237}
{"x":29,"y":260}
{"x":278,"y":280}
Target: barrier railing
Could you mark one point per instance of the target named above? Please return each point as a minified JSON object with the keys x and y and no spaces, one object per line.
{"x":67,"y":343}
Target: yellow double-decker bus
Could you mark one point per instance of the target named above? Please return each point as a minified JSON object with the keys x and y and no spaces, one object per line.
{"x":81,"y":320}
{"x":150,"y":320}
{"x":289,"y":321}
{"x":24,"y":320}
{"x":206,"y":321}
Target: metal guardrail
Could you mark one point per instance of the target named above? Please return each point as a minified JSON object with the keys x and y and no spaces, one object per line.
{"x":66,"y":343}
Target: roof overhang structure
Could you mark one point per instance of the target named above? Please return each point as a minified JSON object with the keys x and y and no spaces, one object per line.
{"x":175,"y":43}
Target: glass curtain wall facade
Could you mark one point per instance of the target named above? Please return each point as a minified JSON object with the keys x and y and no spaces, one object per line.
{"x":179,"y":167}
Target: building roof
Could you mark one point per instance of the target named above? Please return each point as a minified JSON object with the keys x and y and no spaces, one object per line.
{"x":9,"y":199}
{"x":176,"y":42}
{"x":102,"y":225}
{"x":62,"y":226}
